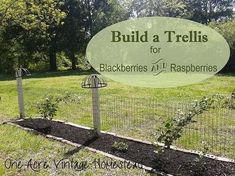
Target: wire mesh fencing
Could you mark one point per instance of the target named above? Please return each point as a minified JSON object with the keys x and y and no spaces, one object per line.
{"x":143,"y":118}
{"x":213,"y":131}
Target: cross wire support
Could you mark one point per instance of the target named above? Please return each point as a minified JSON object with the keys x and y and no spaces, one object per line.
{"x":19,"y":73}
{"x":94,"y":82}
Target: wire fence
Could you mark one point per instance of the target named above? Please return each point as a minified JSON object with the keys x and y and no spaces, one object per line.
{"x":142,"y":118}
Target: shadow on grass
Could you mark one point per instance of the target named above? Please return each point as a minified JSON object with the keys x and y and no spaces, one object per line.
{"x":226,"y":74}
{"x":48,"y":74}
{"x":70,"y":73}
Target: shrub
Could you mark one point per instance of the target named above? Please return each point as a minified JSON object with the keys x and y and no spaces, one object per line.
{"x":120,"y":146}
{"x":173,"y":127}
{"x":230,"y":101}
{"x":47,"y":107}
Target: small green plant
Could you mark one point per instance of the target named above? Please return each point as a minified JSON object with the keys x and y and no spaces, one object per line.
{"x":120,"y":146}
{"x":200,"y":160}
{"x":48,"y":107}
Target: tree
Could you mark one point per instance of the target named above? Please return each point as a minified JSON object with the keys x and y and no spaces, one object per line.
{"x":84,"y":19}
{"x":29,"y":19}
{"x":227,"y":29}
{"x":39,"y":29}
{"x":72,"y":33}
{"x":169,"y":8}
{"x":205,"y":11}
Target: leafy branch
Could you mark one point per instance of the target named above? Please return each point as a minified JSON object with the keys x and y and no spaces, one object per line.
{"x":173,"y":128}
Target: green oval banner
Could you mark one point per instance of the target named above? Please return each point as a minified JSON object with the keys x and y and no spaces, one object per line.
{"x":158,"y":52}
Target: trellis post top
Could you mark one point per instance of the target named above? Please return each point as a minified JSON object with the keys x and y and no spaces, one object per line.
{"x":19,"y":72}
{"x":94,"y":81}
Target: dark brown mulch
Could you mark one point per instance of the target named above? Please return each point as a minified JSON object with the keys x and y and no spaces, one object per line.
{"x":171,"y":161}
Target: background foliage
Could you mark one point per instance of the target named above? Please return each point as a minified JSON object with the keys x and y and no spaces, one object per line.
{"x":51,"y":34}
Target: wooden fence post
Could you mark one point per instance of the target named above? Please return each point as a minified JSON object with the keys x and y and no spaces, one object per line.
{"x":96,"y":106}
{"x":20,"y":92}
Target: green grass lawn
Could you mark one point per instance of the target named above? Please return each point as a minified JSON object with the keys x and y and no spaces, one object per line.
{"x":126,"y":110}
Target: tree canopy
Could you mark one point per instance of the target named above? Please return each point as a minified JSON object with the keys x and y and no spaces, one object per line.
{"x":47,"y":34}
{"x":227,"y":29}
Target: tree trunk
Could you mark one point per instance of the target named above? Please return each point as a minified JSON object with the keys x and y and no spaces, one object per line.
{"x":90,"y":21}
{"x":73,"y":60}
{"x":52,"y":55}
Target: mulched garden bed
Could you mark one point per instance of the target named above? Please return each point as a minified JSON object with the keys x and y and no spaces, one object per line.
{"x":171,"y":161}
